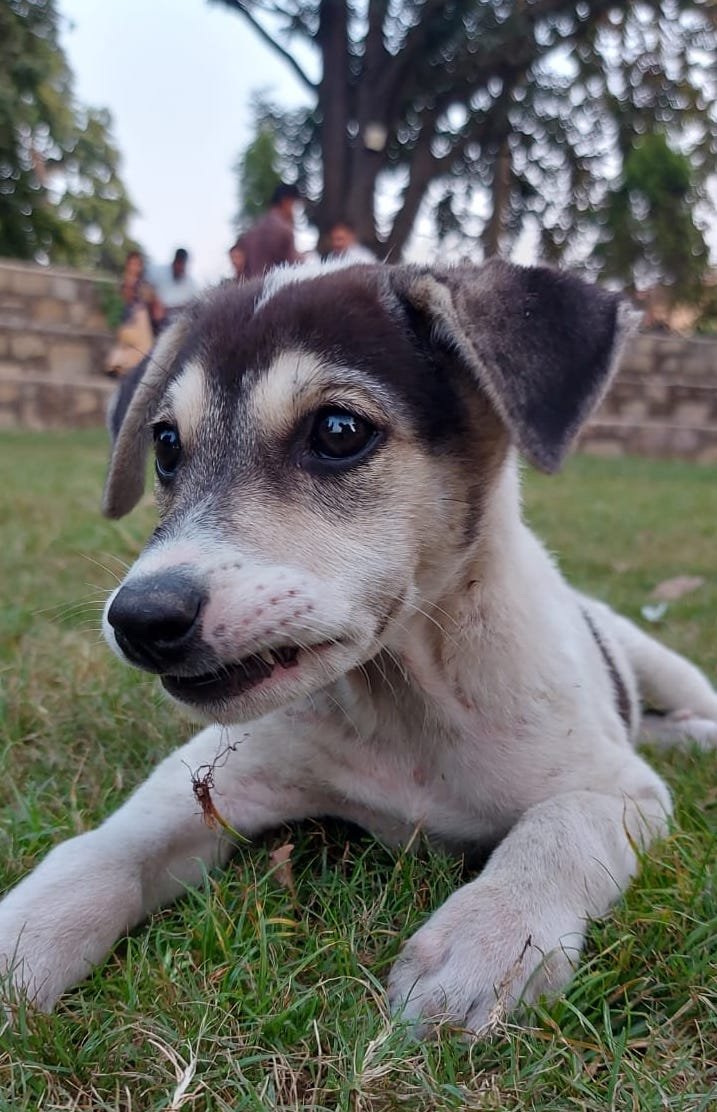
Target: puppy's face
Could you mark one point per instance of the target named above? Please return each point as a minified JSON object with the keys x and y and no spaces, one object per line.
{"x":324,"y":456}
{"x":320,"y":474}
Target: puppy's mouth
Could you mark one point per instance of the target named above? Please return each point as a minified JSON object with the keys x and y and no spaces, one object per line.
{"x":234,"y":679}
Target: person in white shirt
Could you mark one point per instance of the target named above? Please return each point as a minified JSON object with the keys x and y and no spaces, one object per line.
{"x":175,"y":288}
{"x":345,"y":245}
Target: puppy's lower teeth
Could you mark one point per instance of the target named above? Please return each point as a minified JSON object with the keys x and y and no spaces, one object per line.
{"x":267,"y":656}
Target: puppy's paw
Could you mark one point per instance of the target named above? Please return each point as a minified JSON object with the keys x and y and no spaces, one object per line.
{"x":62,"y":919}
{"x":34,"y":963}
{"x":680,"y":728}
{"x":478,"y":956}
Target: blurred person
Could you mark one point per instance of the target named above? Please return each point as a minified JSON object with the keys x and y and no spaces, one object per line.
{"x":175,"y":287}
{"x":270,"y":241}
{"x":237,"y":257}
{"x":345,"y":244}
{"x":142,"y":315}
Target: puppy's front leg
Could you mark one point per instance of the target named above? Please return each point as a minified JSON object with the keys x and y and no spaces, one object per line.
{"x":516,"y":931}
{"x":66,"y":915}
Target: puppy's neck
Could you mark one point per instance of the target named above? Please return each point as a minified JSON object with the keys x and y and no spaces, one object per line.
{"x":442,"y":645}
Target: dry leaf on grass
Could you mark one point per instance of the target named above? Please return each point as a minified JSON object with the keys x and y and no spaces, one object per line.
{"x":280,"y":861}
{"x":672,"y":589}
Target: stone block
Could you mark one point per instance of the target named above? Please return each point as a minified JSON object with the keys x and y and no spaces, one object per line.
{"x":96,"y":321}
{"x":9,"y":418}
{"x":85,"y":402}
{"x":605,"y":449}
{"x":664,"y":346}
{"x":9,"y":368}
{"x":684,"y":442}
{"x":649,"y":440}
{"x":634,"y":409}
{"x":9,"y":392}
{"x":11,"y":306}
{"x":638,"y":362}
{"x":692,"y":412}
{"x":29,"y":283}
{"x":48,"y":310}
{"x":64,"y":289}
{"x":700,"y":363}
{"x":77,"y":313}
{"x":26,"y":345}
{"x":656,"y":389}
{"x":70,"y":359}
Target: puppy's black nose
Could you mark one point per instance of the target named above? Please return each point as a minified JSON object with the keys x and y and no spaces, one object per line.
{"x":156,"y":618}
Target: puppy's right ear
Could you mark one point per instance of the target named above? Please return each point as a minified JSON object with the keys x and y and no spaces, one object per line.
{"x":131,"y":412}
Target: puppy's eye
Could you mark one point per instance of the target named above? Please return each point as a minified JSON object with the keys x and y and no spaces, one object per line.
{"x":167,"y":450}
{"x":341,"y":437}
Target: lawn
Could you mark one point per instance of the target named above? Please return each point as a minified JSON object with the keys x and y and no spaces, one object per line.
{"x":246,"y":996}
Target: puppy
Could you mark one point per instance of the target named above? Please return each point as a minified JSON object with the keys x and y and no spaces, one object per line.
{"x":341,"y":585}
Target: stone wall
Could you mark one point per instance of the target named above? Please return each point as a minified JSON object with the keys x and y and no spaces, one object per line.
{"x":662,"y":403}
{"x":53,"y":344}
{"x":54,"y":339}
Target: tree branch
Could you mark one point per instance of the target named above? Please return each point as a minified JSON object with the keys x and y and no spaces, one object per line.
{"x":241,"y":8}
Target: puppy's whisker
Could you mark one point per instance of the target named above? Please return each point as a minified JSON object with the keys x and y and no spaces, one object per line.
{"x":110,"y":571}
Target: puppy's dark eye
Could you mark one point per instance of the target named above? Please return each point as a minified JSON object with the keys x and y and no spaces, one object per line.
{"x":167,"y":450}
{"x":341,"y":437}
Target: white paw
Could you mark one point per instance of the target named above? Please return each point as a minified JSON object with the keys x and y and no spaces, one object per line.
{"x":478,"y":956}
{"x":681,"y":727}
{"x":61,"y":920}
{"x":30,"y":966}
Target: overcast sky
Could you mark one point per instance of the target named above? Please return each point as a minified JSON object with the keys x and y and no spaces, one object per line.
{"x":177,"y":76}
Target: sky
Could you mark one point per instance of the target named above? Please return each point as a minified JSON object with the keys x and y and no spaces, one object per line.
{"x":177,"y":76}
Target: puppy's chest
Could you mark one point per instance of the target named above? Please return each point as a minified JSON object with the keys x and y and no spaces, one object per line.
{"x":394,"y":784}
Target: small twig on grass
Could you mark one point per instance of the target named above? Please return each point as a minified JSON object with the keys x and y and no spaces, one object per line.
{"x":203,"y":785}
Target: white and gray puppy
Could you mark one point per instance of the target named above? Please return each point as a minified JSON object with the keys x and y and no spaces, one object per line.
{"x":341,"y":583}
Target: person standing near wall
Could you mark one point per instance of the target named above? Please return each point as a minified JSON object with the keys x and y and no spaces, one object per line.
{"x":175,"y":286}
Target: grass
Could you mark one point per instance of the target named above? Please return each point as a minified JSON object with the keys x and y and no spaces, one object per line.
{"x":244,"y":997}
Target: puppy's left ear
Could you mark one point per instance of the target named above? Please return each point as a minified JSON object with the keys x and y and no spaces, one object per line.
{"x":542,"y":344}
{"x":129,"y":420}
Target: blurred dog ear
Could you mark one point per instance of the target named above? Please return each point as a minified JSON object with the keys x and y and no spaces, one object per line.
{"x":129,"y":417}
{"x":541,"y":344}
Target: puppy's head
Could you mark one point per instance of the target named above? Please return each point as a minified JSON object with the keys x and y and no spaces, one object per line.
{"x":326,"y":444}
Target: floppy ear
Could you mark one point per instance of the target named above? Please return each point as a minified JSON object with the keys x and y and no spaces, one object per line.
{"x":542,"y":344}
{"x":131,"y":411}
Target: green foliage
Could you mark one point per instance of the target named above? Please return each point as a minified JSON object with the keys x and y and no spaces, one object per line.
{"x":257,"y":171}
{"x":649,"y":233}
{"x":61,"y":195}
{"x":110,"y":301}
{"x":555,"y":90}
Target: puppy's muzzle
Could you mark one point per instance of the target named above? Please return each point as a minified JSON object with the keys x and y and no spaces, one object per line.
{"x":156,"y":619}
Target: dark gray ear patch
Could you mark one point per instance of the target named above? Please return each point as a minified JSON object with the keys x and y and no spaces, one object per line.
{"x":122,"y":398}
{"x":541,"y":343}
{"x":129,"y":419}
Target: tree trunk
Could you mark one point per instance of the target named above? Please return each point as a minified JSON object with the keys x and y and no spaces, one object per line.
{"x":500,"y":196}
{"x":333,"y":98}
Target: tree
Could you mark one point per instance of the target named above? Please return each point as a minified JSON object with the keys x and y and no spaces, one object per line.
{"x":649,"y":233}
{"x":257,"y":169}
{"x":488,"y":112}
{"x":61,"y":195}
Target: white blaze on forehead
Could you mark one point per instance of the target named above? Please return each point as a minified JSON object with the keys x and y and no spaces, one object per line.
{"x":298,"y":380}
{"x":187,"y":397}
{"x":289,"y":274}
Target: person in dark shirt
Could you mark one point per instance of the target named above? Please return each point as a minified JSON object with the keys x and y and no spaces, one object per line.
{"x":270,"y":241}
